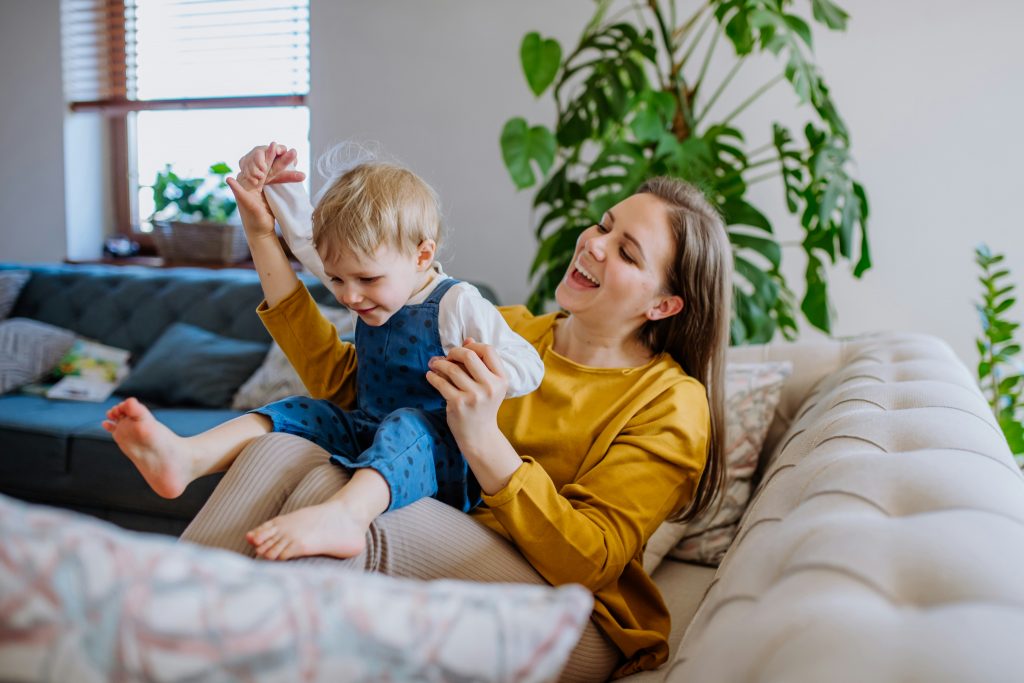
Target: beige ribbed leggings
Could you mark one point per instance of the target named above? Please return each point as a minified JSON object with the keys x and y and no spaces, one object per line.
{"x":278,"y":473}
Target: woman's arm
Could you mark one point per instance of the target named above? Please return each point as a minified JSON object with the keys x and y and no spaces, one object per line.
{"x":588,"y":530}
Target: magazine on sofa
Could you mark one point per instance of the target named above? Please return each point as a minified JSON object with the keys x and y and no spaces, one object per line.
{"x":90,"y":371}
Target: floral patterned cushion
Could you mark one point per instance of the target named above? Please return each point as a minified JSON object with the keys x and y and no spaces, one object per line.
{"x":276,"y":378}
{"x":82,"y":600}
{"x":752,"y":391}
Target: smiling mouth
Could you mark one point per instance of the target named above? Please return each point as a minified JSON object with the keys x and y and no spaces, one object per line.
{"x":364,"y":311}
{"x":582,"y":276}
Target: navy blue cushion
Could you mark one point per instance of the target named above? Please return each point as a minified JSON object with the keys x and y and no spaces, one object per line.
{"x":191,"y":366}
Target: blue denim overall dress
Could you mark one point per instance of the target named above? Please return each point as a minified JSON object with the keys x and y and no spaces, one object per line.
{"x":399,"y":427}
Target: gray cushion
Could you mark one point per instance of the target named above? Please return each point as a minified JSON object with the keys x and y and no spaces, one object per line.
{"x":11,"y":282}
{"x":191,"y":366}
{"x":28,"y":350}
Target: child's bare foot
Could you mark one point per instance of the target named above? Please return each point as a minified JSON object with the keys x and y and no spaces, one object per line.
{"x":160,"y":455}
{"x":325,"y":529}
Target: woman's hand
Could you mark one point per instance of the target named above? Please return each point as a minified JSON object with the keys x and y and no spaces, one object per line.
{"x":472,"y":380}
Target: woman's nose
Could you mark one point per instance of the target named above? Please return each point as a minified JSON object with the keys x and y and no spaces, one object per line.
{"x":595,"y":246}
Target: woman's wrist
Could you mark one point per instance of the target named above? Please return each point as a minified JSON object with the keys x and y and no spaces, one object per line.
{"x":493,"y":461}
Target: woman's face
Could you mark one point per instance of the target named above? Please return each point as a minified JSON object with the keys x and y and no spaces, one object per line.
{"x":617,"y":276}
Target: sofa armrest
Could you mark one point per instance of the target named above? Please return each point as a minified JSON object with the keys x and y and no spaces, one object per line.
{"x":885,"y":540}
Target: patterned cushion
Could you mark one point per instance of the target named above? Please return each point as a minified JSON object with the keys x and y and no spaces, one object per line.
{"x":752,"y":391}
{"x":87,"y":601}
{"x":276,"y":378}
{"x":28,"y":350}
{"x":11,"y":282}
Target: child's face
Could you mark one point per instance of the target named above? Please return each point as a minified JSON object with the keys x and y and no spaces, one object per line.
{"x":374,"y":288}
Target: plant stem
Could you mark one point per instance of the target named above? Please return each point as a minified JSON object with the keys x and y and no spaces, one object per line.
{"x":762,"y":148}
{"x":696,"y":39}
{"x":753,"y":97}
{"x":666,"y":38}
{"x":707,"y":60}
{"x":763,"y":176}
{"x":721,"y":88}
{"x":762,"y":162}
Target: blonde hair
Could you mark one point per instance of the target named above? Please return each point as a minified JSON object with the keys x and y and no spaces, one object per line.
{"x":375,"y":203}
{"x":697,"y":338}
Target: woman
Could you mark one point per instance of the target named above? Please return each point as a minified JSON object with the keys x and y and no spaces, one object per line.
{"x":625,"y":431}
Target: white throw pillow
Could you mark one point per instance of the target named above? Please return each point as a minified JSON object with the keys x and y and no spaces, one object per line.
{"x":276,"y":378}
{"x":752,"y":392}
{"x":86,"y":601}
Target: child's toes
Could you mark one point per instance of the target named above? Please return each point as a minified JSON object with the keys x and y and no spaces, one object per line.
{"x":261,"y":534}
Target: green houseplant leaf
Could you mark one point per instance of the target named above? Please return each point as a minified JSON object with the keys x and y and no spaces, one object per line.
{"x":999,"y":374}
{"x":540,"y":60}
{"x":633,"y":100}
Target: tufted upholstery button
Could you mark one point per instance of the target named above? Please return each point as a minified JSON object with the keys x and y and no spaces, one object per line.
{"x":885,"y":541}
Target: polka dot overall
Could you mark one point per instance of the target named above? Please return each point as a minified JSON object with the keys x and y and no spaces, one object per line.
{"x":399,"y":427}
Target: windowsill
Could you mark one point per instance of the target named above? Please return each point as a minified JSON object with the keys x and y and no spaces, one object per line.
{"x":158,"y":262}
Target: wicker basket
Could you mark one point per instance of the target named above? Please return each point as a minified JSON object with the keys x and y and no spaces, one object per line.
{"x":200,"y":241}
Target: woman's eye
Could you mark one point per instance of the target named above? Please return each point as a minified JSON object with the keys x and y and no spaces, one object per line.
{"x":626,"y":257}
{"x":602,"y":228}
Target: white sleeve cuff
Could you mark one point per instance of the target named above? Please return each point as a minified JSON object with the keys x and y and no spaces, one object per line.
{"x":294,"y":213}
{"x":464,"y":312}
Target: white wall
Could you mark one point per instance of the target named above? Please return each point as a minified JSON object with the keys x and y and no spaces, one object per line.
{"x":931,"y":90}
{"x":31,"y":120}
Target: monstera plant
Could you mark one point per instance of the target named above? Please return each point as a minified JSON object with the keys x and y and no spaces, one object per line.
{"x":634,"y":99}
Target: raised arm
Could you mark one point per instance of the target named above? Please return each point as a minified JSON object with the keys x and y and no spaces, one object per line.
{"x":275,"y":272}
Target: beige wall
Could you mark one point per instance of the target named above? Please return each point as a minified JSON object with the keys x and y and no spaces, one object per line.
{"x":31,"y":132}
{"x":930,"y":90}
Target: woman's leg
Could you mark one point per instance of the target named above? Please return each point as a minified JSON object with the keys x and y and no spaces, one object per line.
{"x":254,"y":489}
{"x":430,"y":540}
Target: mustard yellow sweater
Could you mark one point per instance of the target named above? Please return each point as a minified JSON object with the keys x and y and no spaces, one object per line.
{"x":607,"y":454}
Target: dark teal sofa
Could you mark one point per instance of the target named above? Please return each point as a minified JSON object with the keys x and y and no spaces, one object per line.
{"x":56,"y":452}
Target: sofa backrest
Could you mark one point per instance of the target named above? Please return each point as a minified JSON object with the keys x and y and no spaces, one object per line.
{"x":129,"y":307}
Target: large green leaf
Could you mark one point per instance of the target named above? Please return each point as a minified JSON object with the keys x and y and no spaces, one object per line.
{"x":540,"y":58}
{"x":521,"y":145}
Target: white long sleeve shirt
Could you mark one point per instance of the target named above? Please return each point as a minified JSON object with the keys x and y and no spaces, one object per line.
{"x":462,"y":313}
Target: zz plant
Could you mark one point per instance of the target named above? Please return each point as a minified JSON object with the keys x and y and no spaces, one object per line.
{"x":998,"y":372}
{"x":634,"y":99}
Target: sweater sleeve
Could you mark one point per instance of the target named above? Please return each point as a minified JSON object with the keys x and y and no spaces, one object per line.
{"x":465,"y":313}
{"x":294,"y":213}
{"x":325,"y":364}
{"x":587,"y":531}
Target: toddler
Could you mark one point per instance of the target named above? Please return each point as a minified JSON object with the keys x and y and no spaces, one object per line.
{"x":376,"y":230}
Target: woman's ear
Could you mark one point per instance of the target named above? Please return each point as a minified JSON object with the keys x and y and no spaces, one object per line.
{"x":425,"y":254}
{"x":666,"y":307}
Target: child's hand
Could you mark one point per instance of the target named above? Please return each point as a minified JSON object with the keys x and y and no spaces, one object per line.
{"x":270,"y":164}
{"x":257,"y":218}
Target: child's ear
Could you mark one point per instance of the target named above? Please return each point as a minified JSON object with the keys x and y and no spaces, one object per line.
{"x":666,"y":307}
{"x":425,"y":254}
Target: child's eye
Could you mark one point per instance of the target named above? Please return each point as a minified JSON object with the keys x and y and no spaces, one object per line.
{"x":369,"y":280}
{"x":626,"y":257}
{"x":336,"y":280}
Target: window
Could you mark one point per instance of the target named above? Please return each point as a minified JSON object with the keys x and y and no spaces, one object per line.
{"x":187,"y":83}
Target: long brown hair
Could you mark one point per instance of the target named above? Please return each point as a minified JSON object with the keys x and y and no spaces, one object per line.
{"x":701,"y":273}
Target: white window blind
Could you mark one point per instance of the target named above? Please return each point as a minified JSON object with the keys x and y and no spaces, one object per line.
{"x":155,"y":54}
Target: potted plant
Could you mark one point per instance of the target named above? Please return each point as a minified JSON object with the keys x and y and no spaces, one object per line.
{"x":195,"y":219}
{"x":635,"y":99}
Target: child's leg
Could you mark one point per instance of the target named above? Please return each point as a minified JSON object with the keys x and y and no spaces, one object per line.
{"x":168,"y":462}
{"x":255,"y":487}
{"x":335,"y":527}
{"x":400,"y":466}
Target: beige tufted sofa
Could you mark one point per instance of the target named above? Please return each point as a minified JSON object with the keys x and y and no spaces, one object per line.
{"x":884,"y":543}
